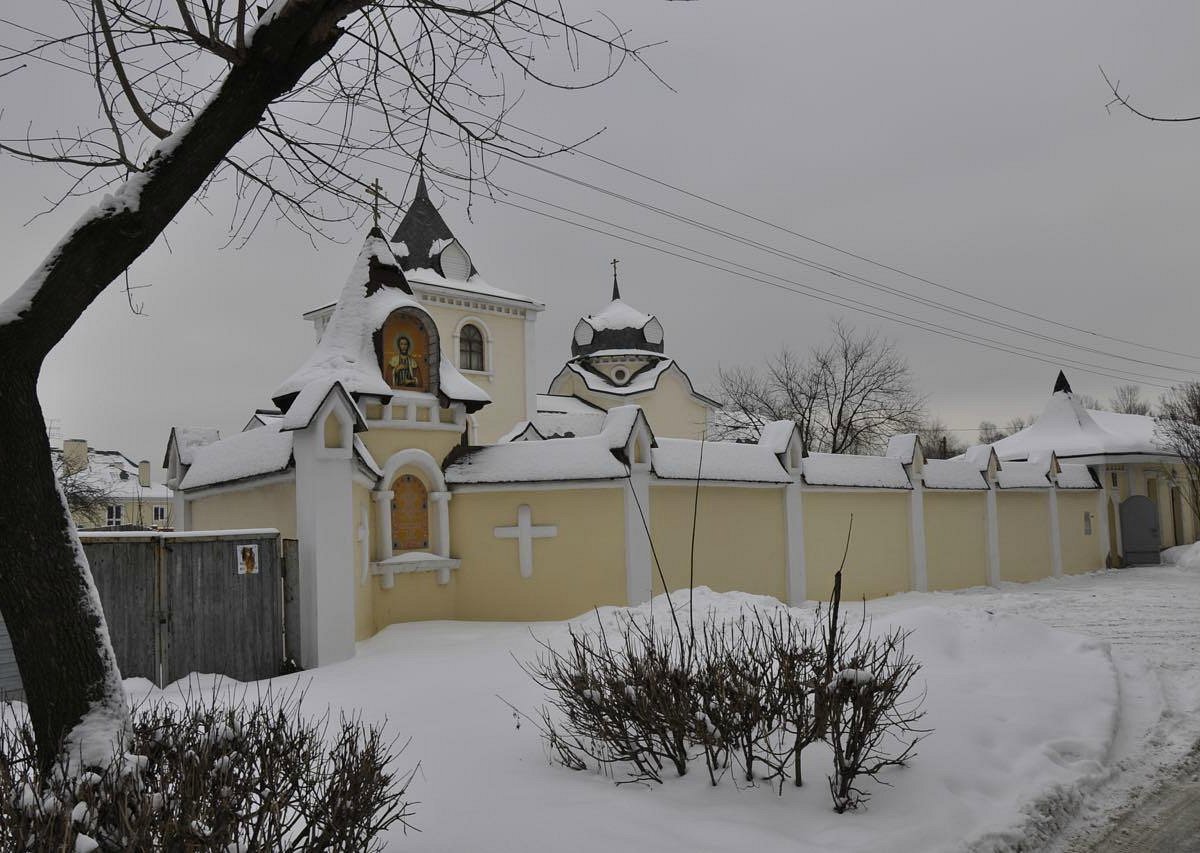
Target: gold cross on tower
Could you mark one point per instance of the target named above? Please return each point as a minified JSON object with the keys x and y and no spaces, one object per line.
{"x":375,"y":191}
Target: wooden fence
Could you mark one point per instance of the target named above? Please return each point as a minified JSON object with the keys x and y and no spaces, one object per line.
{"x":209,"y":602}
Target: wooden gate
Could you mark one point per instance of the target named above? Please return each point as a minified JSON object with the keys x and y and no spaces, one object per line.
{"x":1139,"y":531}
{"x":178,"y":603}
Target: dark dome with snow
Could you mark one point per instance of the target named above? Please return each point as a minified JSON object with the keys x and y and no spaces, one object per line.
{"x":618,"y":326}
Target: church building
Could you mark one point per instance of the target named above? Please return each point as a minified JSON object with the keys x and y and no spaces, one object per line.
{"x":424,"y":477}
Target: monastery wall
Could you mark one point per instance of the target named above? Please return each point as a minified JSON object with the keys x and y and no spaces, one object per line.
{"x":741,"y":538}
{"x":271,"y":505}
{"x":955,"y":539}
{"x":879,"y":560}
{"x":1081,"y":547}
{"x":1024,"y":518}
{"x":580,"y":567}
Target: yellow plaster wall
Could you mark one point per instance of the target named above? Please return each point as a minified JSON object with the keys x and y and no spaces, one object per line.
{"x":879,"y":561}
{"x":1024,"y":519}
{"x":671,"y":409}
{"x":414,"y":597}
{"x":581,"y":568}
{"x":272,"y":505}
{"x":506,"y":384}
{"x":1080,"y":552}
{"x":955,"y":539}
{"x":382,"y":442}
{"x":741,"y":538}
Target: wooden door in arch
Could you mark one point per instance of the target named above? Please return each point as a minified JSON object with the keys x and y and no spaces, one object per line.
{"x":410,"y":514}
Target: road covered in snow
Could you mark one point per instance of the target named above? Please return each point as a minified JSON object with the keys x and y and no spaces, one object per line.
{"x":1150,"y":618}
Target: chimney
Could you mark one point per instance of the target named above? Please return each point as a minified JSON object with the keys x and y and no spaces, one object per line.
{"x":75,"y":455}
{"x":144,"y":473}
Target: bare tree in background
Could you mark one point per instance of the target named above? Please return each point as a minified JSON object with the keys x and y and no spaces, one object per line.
{"x":281,"y":109}
{"x":1177,"y":429}
{"x":990,"y":433}
{"x":87,"y":496}
{"x":1089,"y":402}
{"x":937,"y":442}
{"x":1127,"y":399}
{"x":847,"y":396}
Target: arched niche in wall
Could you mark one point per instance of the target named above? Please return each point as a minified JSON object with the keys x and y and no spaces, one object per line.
{"x":409,"y":351}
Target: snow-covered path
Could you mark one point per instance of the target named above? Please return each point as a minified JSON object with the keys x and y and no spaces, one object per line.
{"x":1150,"y":616}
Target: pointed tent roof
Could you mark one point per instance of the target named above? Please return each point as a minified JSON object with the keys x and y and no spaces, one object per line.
{"x":1069,"y":430}
{"x":617,"y":326}
{"x":423,"y":231}
{"x":346,"y":352}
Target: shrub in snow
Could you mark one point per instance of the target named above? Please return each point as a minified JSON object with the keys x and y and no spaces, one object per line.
{"x":254,"y":776}
{"x":750,"y":692}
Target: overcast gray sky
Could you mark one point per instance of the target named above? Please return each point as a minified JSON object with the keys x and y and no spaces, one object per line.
{"x":965,"y":142}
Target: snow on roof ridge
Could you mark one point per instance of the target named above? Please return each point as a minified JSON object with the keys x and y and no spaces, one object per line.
{"x":618,"y":314}
{"x":776,"y":435}
{"x":957,"y":473}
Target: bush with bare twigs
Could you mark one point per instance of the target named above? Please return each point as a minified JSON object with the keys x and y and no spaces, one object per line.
{"x":204,"y":776}
{"x":751,"y":692}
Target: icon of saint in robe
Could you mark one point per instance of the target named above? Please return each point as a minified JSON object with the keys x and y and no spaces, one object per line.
{"x":406,"y":370}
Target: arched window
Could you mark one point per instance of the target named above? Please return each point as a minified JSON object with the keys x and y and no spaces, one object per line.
{"x":470,"y":348}
{"x":410,"y":514}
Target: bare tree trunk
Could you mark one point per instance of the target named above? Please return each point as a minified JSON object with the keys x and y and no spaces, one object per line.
{"x":60,"y":640}
{"x":66,"y":664}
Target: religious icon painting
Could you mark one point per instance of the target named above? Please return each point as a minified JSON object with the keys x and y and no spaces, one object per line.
{"x":247,"y":559}
{"x":405,"y":353}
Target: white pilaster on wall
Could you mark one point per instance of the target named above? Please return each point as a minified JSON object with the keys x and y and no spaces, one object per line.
{"x":638,"y":557}
{"x":325,"y":525}
{"x":1056,"y":565}
{"x":383,"y":523}
{"x":916,"y":516}
{"x":797,"y":569}
{"x":1102,"y":525}
{"x":993,"y":537}
{"x":530,"y":365}
{"x":442,"y":501}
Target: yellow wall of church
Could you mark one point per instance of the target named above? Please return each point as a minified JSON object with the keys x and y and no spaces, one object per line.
{"x":741,"y":538}
{"x":955,"y":539}
{"x":670,"y":408}
{"x":580,"y":568}
{"x":383,"y":443}
{"x":506,"y":382}
{"x":414,"y":597}
{"x":272,"y":505}
{"x":1024,"y":519}
{"x":878,"y":562}
{"x":1080,"y":551}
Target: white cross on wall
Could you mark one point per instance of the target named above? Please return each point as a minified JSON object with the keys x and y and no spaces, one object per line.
{"x":525,"y":532}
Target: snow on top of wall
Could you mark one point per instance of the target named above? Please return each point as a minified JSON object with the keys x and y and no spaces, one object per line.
{"x":680,"y":459}
{"x":247,"y":454}
{"x":902,"y":447}
{"x":952,"y":474}
{"x":776,"y":435}
{"x":1068,"y":429}
{"x":645,"y":381}
{"x":1023,"y":475}
{"x":590,"y":457}
{"x":979,"y":455}
{"x":587,"y":458}
{"x":476,"y":284}
{"x":1074,"y":476}
{"x":346,"y":351}
{"x":304,"y":407}
{"x":840,"y":469}
{"x":617,"y":314}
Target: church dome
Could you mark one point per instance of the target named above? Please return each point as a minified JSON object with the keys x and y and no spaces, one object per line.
{"x":617,"y":326}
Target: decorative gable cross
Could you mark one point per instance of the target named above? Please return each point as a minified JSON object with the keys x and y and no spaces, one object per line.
{"x":375,"y":191}
{"x":525,"y":532}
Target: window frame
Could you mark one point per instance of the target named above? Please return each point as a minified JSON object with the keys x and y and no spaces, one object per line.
{"x":114,"y":515}
{"x":472,"y":344}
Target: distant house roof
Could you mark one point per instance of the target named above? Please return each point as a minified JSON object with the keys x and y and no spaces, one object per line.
{"x":115,"y":475}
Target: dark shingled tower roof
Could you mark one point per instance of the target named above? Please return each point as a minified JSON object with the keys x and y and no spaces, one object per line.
{"x":1061,"y":384}
{"x":421,"y":226}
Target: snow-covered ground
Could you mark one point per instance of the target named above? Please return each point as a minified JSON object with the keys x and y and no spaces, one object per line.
{"x":1024,"y":717}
